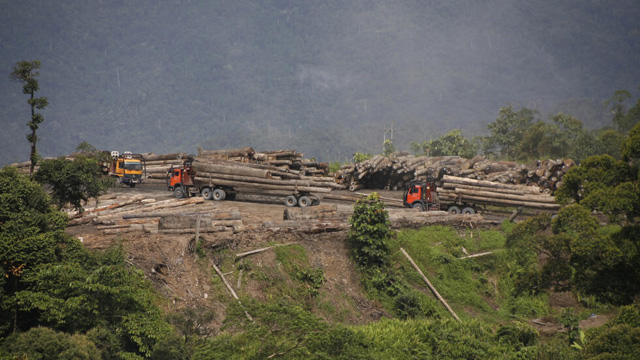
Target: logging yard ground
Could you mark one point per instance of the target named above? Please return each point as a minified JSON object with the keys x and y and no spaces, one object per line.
{"x":186,"y":279}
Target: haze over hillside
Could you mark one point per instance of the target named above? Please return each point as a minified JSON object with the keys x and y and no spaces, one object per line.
{"x":324,"y":77}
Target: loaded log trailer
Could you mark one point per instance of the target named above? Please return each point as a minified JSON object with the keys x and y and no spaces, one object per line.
{"x":423,"y":195}
{"x":464,"y":196}
{"x":184,"y":182}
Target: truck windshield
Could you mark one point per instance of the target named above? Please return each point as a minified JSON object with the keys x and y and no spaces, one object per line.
{"x":130,"y":165}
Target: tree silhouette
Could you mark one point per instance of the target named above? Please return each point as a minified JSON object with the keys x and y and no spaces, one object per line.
{"x":26,"y":72}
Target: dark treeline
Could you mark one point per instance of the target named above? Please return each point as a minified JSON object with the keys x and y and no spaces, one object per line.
{"x":326,"y":78}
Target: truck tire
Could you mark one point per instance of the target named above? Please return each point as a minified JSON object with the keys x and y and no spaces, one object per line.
{"x":453,"y":210}
{"x":206,"y":193}
{"x":290,"y":201}
{"x":418,"y":206}
{"x":230,"y":196}
{"x":304,"y":201}
{"x":468,"y":211}
{"x":219,"y":195}
{"x":178,"y":192}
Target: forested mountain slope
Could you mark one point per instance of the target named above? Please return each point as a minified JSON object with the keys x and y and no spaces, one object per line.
{"x":326,"y":77}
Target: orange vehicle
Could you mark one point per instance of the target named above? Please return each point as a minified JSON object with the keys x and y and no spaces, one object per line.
{"x":182,"y":181}
{"x":127,"y":168}
{"x":423,"y":195}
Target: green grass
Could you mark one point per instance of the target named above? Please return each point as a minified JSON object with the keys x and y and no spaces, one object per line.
{"x":474,"y":287}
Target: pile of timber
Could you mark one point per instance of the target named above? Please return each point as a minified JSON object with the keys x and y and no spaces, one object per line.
{"x":258,"y":178}
{"x":480,"y":192}
{"x":157,"y":166}
{"x":125,"y":214}
{"x":398,"y":170}
{"x":286,"y":160}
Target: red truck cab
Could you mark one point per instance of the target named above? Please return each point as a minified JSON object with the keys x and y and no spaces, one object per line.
{"x":421,"y":195}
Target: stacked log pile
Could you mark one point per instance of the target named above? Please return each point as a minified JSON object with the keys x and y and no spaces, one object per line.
{"x":125,"y":214}
{"x":257,"y":178}
{"x":157,"y":166}
{"x":288,"y":161}
{"x":479,"y":192}
{"x":396,"y":172}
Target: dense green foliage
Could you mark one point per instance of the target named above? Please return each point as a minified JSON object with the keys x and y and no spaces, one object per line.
{"x":578,"y":256}
{"x":452,"y":143}
{"x":27,"y":73}
{"x":50,"y":280}
{"x":604,"y":184}
{"x":369,"y":232}
{"x":631,"y":145}
{"x":74,"y":181}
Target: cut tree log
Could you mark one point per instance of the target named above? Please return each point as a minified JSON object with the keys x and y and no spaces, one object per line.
{"x":246,"y":184}
{"x":311,"y":212}
{"x":239,"y":170}
{"x":256,"y":251}
{"x":433,"y":289}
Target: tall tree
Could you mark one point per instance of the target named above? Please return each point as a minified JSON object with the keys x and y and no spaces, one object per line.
{"x":452,"y":143}
{"x":508,"y":131}
{"x":26,"y":72}
{"x":624,"y":117}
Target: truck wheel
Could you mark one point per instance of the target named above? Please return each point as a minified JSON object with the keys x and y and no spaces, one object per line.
{"x":468,"y":211}
{"x":178,"y":192}
{"x":219,"y":194}
{"x":454,"y":210}
{"x":304,"y":201}
{"x":230,"y":196}
{"x":290,"y":201}
{"x":418,"y":206}
{"x":206,"y":193}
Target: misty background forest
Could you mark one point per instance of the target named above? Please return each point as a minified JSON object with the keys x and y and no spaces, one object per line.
{"x":324,"y":77}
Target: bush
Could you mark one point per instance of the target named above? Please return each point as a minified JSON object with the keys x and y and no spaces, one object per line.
{"x":369,"y":232}
{"x":44,"y":343}
{"x":517,"y":334}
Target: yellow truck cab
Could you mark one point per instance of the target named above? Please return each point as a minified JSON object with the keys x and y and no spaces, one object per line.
{"x":127,"y":168}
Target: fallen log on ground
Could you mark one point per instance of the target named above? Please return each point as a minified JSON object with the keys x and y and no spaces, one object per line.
{"x":311,"y":212}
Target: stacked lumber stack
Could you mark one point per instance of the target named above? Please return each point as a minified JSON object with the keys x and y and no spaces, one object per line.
{"x":257,"y":178}
{"x":480,"y":192}
{"x":396,"y":172}
{"x":125,"y":214}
